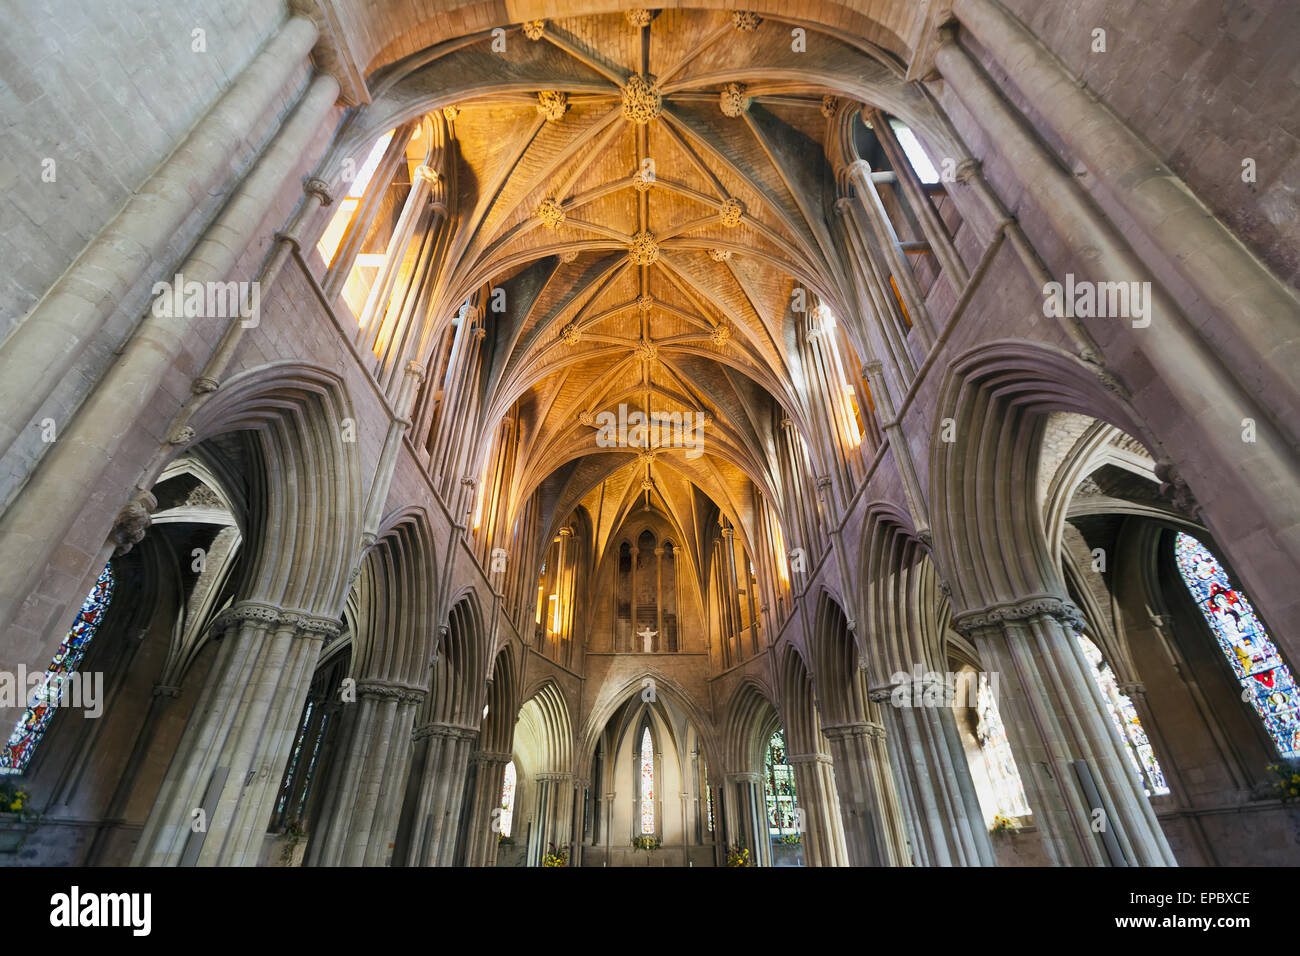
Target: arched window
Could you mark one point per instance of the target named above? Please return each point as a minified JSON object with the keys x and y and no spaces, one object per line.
{"x":778,"y":788}
{"x":647,"y":783}
{"x":915,"y":152}
{"x":507,"y":814}
{"x":1265,"y":679}
{"x":31,"y":726}
{"x":329,"y":241}
{"x":1007,"y":792}
{"x":1125,"y":718}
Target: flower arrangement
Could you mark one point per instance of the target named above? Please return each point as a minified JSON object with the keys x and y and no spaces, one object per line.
{"x":1287,"y":785}
{"x":293,"y":833}
{"x":504,"y":839}
{"x":1003,"y":824}
{"x":791,"y":839}
{"x":737,"y":856}
{"x":556,"y":856}
{"x":14,"y":799}
{"x":647,"y":843}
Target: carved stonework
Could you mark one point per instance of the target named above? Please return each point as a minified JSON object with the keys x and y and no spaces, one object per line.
{"x":451,"y":112}
{"x":568,"y":255}
{"x":132,"y":522}
{"x":318,"y":188}
{"x":535,"y":29}
{"x":642,"y":100}
{"x":181,"y":436}
{"x":644,"y":250}
{"x":732,"y":99}
{"x":647,"y":456}
{"x":571,"y":334}
{"x":552,"y":104}
{"x":551,"y":213}
{"x":1174,"y":488}
{"x":720,"y":335}
{"x":585,"y":417}
{"x":829,"y":105}
{"x":1015,"y":611}
{"x":732,"y":211}
{"x":388,"y":690}
{"x":638,"y":18}
{"x":646,"y":351}
{"x":428,"y":174}
{"x":746,"y":21}
{"x":646,"y":485}
{"x":644,"y":303}
{"x":719,"y":255}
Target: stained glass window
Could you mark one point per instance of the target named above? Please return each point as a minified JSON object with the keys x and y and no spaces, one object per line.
{"x":31,"y":726}
{"x":647,"y":784}
{"x":1265,"y":679}
{"x":1008,"y":791}
{"x":507,"y":814}
{"x":1124,"y":715}
{"x":778,"y":788}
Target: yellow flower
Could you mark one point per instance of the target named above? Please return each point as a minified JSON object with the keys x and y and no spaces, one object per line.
{"x":1295,"y":778}
{"x":1294,"y":791}
{"x":16,"y":805}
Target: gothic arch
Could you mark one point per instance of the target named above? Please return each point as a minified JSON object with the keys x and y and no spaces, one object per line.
{"x":303,"y":466}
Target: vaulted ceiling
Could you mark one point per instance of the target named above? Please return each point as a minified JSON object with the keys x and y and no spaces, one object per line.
{"x":648,"y":189}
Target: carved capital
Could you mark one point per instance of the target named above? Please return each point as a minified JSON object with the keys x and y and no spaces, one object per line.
{"x":1018,"y":611}
{"x":318,"y":188}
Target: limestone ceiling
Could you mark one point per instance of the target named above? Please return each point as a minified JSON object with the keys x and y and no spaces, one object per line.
{"x":647,"y":189}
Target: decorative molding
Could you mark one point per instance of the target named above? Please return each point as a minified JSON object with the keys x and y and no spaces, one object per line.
{"x":732,"y":211}
{"x":390,"y":690}
{"x":746,"y":21}
{"x":644,"y":250}
{"x":320,"y":189}
{"x":552,"y":104}
{"x":534,"y":29}
{"x":1013,"y":611}
{"x":732,"y":99}
{"x":132,"y":522}
{"x":642,"y":99}
{"x":551,"y":213}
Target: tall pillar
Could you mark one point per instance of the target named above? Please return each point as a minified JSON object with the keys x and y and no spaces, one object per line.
{"x":219,"y":792}
{"x":746,"y":817}
{"x":554,"y":812}
{"x":935,"y":788}
{"x":360,"y":818}
{"x":440,"y":764}
{"x":1086,"y":799}
{"x":822,"y":832}
{"x":482,"y":829}
{"x":873,"y":825}
{"x":1257,"y":310}
{"x":42,"y":514}
{"x":887,"y":240}
{"x":41,"y":351}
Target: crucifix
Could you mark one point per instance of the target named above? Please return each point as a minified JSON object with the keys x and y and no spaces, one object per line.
{"x":648,"y":635}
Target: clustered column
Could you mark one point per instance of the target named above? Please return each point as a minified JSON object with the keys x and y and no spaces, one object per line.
{"x":873,"y":827}
{"x":1087,"y":801}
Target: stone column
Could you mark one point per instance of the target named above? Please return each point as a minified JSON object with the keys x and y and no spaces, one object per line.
{"x":933,"y":777}
{"x":746,"y":817}
{"x":1087,"y":801}
{"x":441,"y":762}
{"x":936,"y":233}
{"x":359,"y":822}
{"x":41,"y":351}
{"x":822,"y":829}
{"x":42,"y":514}
{"x":869,"y":810}
{"x":484,"y":826}
{"x":219,"y":792}
{"x":887,"y":240}
{"x":554,"y":812}
{"x":372,"y":315}
{"x":1258,"y":311}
